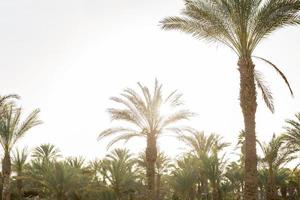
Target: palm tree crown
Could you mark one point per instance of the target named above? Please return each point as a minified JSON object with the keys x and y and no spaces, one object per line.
{"x":240,"y":25}
{"x":144,"y":113}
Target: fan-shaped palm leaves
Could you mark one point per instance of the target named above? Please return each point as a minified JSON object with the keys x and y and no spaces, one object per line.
{"x":118,"y":171}
{"x":145,"y":115}
{"x":185,"y":177}
{"x":292,"y":135}
{"x":46,"y":153}
{"x":11,"y":130}
{"x":18,"y":166}
{"x":206,"y":149}
{"x":240,"y":25}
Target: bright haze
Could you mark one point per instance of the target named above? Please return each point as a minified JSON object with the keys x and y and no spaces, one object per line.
{"x":68,"y":57}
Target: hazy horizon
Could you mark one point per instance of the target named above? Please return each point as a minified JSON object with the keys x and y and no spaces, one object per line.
{"x":69,"y":57}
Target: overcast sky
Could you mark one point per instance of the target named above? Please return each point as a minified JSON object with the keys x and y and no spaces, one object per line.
{"x":67,"y":57}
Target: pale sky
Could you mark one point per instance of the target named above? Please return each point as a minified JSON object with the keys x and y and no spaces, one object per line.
{"x":67,"y":57}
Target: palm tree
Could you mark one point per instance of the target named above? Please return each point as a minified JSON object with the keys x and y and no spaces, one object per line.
{"x":184,"y":177}
{"x":46,"y":153}
{"x":240,"y":25}
{"x":11,"y":131}
{"x":292,"y":135}
{"x":203,"y":147}
{"x":144,"y":114}
{"x":19,"y":162}
{"x":5,"y":100}
{"x":118,"y":170}
{"x":235,"y":174}
{"x":56,"y":180}
{"x":275,"y":155}
{"x":76,"y":162}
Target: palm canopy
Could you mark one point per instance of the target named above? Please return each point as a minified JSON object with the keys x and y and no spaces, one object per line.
{"x":118,"y":169}
{"x":275,"y":153}
{"x":292,"y":134}
{"x":203,"y":144}
{"x":145,"y":113}
{"x":11,"y":127}
{"x":46,"y":152}
{"x":240,"y":25}
{"x":19,"y":160}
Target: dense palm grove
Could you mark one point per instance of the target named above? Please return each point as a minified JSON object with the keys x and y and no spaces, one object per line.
{"x":206,"y":170}
{"x":203,"y":171}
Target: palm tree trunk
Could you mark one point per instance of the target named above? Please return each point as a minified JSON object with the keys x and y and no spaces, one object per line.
{"x":271,"y":187}
{"x":20,"y":187}
{"x":151,"y":155}
{"x":6,"y":171}
{"x":248,"y":105}
{"x":215,"y":194}
{"x":158,"y":178}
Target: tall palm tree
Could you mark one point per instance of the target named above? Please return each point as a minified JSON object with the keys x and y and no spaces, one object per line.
{"x":275,"y":155}
{"x":11,"y":131}
{"x":240,"y":25}
{"x":144,"y":114}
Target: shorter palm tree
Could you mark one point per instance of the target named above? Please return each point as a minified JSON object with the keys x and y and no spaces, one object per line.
{"x":184,"y":177}
{"x":11,"y":131}
{"x":275,"y":155}
{"x":292,"y":135}
{"x":118,"y":170}
{"x":206,"y":149}
{"x":46,"y":153}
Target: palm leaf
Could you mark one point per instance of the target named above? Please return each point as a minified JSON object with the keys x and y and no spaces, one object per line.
{"x":266,"y":92}
{"x":279,"y":71}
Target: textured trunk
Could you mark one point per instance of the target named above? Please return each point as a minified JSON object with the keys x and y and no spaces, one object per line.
{"x":248,"y":105}
{"x":151,"y":155}
{"x":6,"y":171}
{"x":215,"y":192}
{"x":271,"y":187}
{"x":205,"y":187}
{"x":158,"y":178}
{"x":20,"y":187}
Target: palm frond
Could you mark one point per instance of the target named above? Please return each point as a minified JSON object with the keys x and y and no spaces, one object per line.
{"x":266,"y":92}
{"x":279,"y":71}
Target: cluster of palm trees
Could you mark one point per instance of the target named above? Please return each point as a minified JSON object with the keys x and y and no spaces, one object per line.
{"x":204,"y":171}
{"x":201,"y":173}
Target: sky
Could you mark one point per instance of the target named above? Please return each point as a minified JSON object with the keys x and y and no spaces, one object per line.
{"x":68,"y":57}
